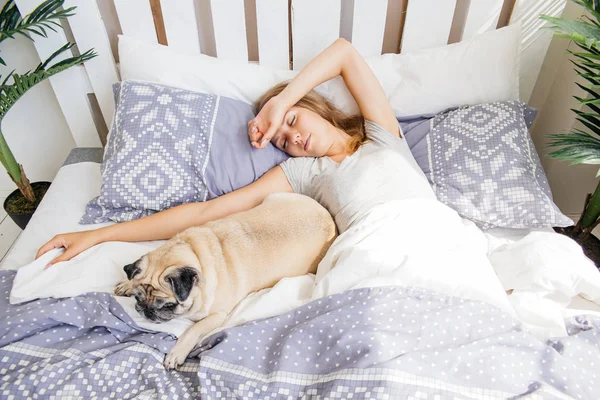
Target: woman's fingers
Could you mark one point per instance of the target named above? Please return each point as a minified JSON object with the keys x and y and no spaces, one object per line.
{"x":253,"y":131}
{"x":260,"y":132}
{"x":66,"y":256}
{"x":267,"y":136}
{"x":52,"y":244}
{"x":263,"y":127}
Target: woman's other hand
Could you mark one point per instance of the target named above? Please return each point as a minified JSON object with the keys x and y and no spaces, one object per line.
{"x":74,"y":243}
{"x":264,"y":126}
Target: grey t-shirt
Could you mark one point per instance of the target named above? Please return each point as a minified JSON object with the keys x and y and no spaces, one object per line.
{"x":381,"y":170}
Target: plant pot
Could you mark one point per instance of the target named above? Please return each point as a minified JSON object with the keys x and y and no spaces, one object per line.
{"x":590,"y":245}
{"x":22,"y":216}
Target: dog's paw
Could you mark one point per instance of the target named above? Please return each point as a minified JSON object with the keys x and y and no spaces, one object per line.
{"x":175,"y":358}
{"x":123,"y":289}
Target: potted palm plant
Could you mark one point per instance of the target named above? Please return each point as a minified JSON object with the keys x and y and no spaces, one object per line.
{"x":583,"y":146}
{"x":21,"y":204}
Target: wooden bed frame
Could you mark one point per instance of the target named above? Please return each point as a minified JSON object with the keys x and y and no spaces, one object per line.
{"x":288,"y":32}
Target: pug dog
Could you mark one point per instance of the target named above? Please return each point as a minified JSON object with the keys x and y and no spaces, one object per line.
{"x":203,"y":272}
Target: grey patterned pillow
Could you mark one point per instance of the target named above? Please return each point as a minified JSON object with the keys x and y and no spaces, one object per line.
{"x":170,"y":146}
{"x":481,"y":161}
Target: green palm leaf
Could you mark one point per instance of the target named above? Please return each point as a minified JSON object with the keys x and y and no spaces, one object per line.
{"x":45,"y":16}
{"x":585,"y":56}
{"x":594,"y":108}
{"x":589,"y":120}
{"x":581,"y":32}
{"x":577,"y":136}
{"x":9,"y":94}
{"x":589,"y":64}
{"x":586,"y":73}
{"x":591,"y":50}
{"x":581,"y":153}
{"x":592,"y":7}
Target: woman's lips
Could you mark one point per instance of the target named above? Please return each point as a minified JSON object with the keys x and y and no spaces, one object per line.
{"x":307,"y":143}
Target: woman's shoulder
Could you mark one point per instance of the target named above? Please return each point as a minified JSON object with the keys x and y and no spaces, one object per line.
{"x":300,"y":172}
{"x":300,"y":161}
{"x":377,"y":132}
{"x":304,"y":165}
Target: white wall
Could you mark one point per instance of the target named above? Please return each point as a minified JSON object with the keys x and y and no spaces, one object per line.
{"x":35,"y":128}
{"x":553,"y":96}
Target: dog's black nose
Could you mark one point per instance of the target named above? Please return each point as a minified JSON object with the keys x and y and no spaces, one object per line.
{"x":150,"y":314}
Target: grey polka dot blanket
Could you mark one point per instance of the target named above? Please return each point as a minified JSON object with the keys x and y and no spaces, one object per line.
{"x":377,"y":343}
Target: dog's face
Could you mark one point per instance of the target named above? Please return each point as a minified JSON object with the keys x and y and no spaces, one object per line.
{"x":166,"y":282}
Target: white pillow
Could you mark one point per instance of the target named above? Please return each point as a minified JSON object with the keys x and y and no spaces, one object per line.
{"x":480,"y":70}
{"x":237,"y":80}
{"x":484,"y":69}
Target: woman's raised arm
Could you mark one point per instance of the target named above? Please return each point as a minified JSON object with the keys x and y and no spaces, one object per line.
{"x":340,"y":58}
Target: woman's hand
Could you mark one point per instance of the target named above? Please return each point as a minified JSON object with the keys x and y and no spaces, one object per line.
{"x":74,"y":243}
{"x":264,"y":126}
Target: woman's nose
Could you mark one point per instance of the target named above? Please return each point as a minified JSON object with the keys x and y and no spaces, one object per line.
{"x":297,"y":138}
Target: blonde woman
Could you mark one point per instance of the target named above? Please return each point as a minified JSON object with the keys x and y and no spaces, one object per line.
{"x":347,"y":163}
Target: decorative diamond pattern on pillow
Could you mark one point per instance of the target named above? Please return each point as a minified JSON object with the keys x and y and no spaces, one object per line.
{"x":482,"y":162}
{"x":157,"y":152}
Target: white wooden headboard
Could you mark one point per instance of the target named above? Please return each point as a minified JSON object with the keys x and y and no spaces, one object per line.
{"x":289,"y":33}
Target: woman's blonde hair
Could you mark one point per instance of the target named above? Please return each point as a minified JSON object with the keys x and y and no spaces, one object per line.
{"x":353,"y":125}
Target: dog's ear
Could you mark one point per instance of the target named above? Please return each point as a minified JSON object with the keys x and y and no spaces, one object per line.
{"x":182,"y":281}
{"x":131,"y":270}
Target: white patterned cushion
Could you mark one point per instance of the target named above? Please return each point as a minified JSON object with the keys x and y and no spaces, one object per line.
{"x":481,"y":161}
{"x":156,"y":153}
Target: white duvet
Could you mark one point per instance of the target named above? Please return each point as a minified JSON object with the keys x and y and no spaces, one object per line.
{"x":406,"y":243}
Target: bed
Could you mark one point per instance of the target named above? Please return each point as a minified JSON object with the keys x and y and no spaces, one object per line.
{"x":342,"y":333}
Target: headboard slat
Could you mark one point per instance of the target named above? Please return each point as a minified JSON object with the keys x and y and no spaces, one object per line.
{"x":135,"y":17}
{"x":229,"y":23}
{"x":368,"y":26}
{"x":313,"y":31}
{"x":482,"y":16}
{"x":179,"y":18}
{"x":88,"y":31}
{"x":159,"y":24}
{"x":273,"y":30}
{"x":427,"y":24}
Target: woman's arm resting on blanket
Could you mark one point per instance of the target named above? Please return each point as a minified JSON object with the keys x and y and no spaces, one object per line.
{"x":167,"y":223}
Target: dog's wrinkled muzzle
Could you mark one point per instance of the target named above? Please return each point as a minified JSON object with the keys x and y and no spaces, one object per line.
{"x":151,"y":314}
{"x":146,"y":312}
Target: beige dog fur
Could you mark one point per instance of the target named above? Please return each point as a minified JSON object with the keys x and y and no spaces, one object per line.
{"x":285,"y":236}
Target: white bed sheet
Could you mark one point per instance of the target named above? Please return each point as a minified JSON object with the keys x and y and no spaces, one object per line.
{"x":76,"y":184}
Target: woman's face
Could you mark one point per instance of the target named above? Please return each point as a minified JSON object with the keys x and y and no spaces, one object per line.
{"x":303,"y":133}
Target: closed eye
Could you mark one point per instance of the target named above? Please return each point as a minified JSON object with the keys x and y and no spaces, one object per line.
{"x":284,"y":143}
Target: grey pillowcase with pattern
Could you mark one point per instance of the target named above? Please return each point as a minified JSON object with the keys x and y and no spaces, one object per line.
{"x":170,"y":146}
{"x":481,"y":161}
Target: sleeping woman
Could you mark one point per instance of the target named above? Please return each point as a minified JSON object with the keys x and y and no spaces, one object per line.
{"x":349,"y":164}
